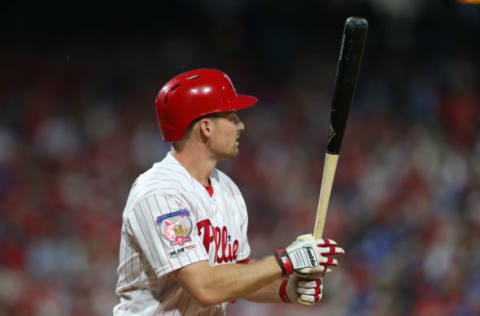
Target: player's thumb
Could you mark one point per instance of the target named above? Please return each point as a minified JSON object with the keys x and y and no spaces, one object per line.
{"x":314,"y":270}
{"x":305,"y":237}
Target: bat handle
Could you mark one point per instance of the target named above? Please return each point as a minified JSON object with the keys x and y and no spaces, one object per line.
{"x":329,"y":167}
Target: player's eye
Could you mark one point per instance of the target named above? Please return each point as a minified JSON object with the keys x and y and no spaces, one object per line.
{"x":235,"y":119}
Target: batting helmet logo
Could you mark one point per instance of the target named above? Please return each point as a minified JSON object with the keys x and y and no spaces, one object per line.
{"x":193,"y":94}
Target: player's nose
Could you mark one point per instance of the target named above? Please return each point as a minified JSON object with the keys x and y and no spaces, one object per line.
{"x":241,"y":126}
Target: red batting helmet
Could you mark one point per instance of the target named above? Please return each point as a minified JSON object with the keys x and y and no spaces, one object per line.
{"x":193,"y":94}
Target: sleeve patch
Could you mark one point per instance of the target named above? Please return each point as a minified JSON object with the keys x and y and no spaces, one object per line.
{"x":176,"y":227}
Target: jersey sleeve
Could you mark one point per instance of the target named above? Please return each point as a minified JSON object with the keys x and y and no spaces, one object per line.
{"x":164,"y":227}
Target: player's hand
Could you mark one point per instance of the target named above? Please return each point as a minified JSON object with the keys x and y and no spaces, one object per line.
{"x":302,"y":290}
{"x":307,"y":255}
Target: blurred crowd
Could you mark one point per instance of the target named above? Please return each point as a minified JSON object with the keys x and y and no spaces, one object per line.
{"x":77,"y":127}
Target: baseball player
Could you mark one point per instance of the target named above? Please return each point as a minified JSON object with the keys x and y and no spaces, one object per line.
{"x":184,"y":248}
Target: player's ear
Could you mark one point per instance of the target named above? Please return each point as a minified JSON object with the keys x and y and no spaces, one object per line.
{"x":206,"y":127}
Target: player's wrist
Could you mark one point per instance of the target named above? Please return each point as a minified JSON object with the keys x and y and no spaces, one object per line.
{"x":284,"y":261}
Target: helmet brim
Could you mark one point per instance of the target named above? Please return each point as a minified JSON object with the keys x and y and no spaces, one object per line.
{"x":242,"y":102}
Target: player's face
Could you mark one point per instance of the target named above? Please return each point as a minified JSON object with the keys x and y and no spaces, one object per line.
{"x":224,"y":142}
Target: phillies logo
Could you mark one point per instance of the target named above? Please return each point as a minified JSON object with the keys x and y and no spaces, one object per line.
{"x":224,"y":250}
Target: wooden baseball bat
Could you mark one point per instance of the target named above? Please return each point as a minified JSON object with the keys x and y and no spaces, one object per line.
{"x":348,"y":67}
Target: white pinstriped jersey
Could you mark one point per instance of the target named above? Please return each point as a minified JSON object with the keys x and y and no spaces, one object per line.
{"x":170,"y":221}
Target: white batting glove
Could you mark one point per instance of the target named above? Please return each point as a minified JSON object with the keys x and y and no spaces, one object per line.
{"x":306,"y":291}
{"x":307,"y":255}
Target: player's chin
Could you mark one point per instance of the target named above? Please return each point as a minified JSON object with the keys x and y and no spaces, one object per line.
{"x":234,"y":152}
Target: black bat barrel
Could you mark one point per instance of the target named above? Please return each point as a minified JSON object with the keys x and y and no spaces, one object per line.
{"x":348,"y":68}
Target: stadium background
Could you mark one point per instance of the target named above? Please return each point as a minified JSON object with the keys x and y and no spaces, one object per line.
{"x":77,"y":125}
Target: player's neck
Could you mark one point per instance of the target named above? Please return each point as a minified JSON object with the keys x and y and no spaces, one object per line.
{"x":198,"y":163}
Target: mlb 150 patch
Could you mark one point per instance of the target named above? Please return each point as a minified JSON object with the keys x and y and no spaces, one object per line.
{"x":176,"y":227}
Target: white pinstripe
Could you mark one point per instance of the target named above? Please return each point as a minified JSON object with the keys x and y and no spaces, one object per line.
{"x":144,"y":283}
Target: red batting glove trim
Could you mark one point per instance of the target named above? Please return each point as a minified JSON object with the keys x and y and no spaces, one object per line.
{"x":284,"y":261}
{"x":331,"y":250}
{"x":326,"y":242}
{"x":316,"y":287}
{"x":283,"y":292}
